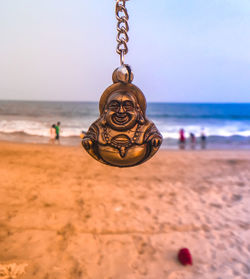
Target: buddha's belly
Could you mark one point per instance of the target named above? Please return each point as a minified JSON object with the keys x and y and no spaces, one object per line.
{"x":133,"y":155}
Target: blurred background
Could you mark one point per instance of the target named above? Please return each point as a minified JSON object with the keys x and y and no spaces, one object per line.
{"x":190,"y":58}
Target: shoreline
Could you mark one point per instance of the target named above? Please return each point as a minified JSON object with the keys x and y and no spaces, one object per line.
{"x":76,"y":141}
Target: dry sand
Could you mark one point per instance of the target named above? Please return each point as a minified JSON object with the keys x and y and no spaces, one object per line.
{"x":66,"y":216}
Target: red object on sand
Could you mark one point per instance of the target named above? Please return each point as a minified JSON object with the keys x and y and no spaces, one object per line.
{"x":184,"y":256}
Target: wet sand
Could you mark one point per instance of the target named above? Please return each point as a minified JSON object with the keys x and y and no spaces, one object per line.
{"x":64,"y":215}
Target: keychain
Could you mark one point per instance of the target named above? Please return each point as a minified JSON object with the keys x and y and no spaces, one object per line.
{"x":122,"y":136}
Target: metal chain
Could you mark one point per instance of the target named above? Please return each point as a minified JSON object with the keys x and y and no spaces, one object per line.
{"x":122,"y":29}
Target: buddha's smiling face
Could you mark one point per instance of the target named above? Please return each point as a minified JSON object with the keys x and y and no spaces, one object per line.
{"x":121,"y":111}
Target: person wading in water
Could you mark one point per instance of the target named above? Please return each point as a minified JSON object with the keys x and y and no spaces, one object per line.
{"x":58,"y":130}
{"x":52,"y":134}
{"x":182,"y":139}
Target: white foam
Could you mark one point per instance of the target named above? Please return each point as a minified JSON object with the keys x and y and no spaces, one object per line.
{"x":74,"y":128}
{"x":34,"y":128}
{"x":227,"y":130}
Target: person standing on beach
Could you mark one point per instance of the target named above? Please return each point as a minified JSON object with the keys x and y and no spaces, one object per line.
{"x":203,"y":140}
{"x":52,"y":134}
{"x":182,"y":139}
{"x":192,"y":140}
{"x":58,"y":130}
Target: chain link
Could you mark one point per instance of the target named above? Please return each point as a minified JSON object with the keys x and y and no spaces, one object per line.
{"x":122,"y":29}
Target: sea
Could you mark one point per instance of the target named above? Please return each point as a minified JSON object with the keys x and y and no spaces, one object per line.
{"x":226,"y":126}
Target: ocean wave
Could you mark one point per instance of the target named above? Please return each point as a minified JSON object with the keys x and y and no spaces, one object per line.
{"x":222,"y":131}
{"x":198,"y":116}
{"x":73,"y":129}
{"x":35,"y":128}
{"x":150,"y":115}
{"x":166,"y":111}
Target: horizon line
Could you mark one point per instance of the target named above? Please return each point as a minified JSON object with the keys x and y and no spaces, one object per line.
{"x":152,"y":102}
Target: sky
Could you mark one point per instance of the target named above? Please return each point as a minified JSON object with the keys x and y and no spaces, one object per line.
{"x":179,"y":50}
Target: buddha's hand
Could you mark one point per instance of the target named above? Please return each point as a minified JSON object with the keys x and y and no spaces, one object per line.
{"x":156,"y":141}
{"x":87,"y":143}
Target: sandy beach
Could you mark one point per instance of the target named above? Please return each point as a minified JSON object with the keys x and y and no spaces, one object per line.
{"x":64,"y":215}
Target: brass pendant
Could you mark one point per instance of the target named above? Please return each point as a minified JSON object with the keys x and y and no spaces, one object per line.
{"x":122,"y":136}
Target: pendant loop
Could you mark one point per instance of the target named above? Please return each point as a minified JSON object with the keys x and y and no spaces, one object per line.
{"x":122,"y":57}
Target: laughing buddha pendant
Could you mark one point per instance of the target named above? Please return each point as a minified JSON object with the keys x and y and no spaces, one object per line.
{"x":122,"y":136}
